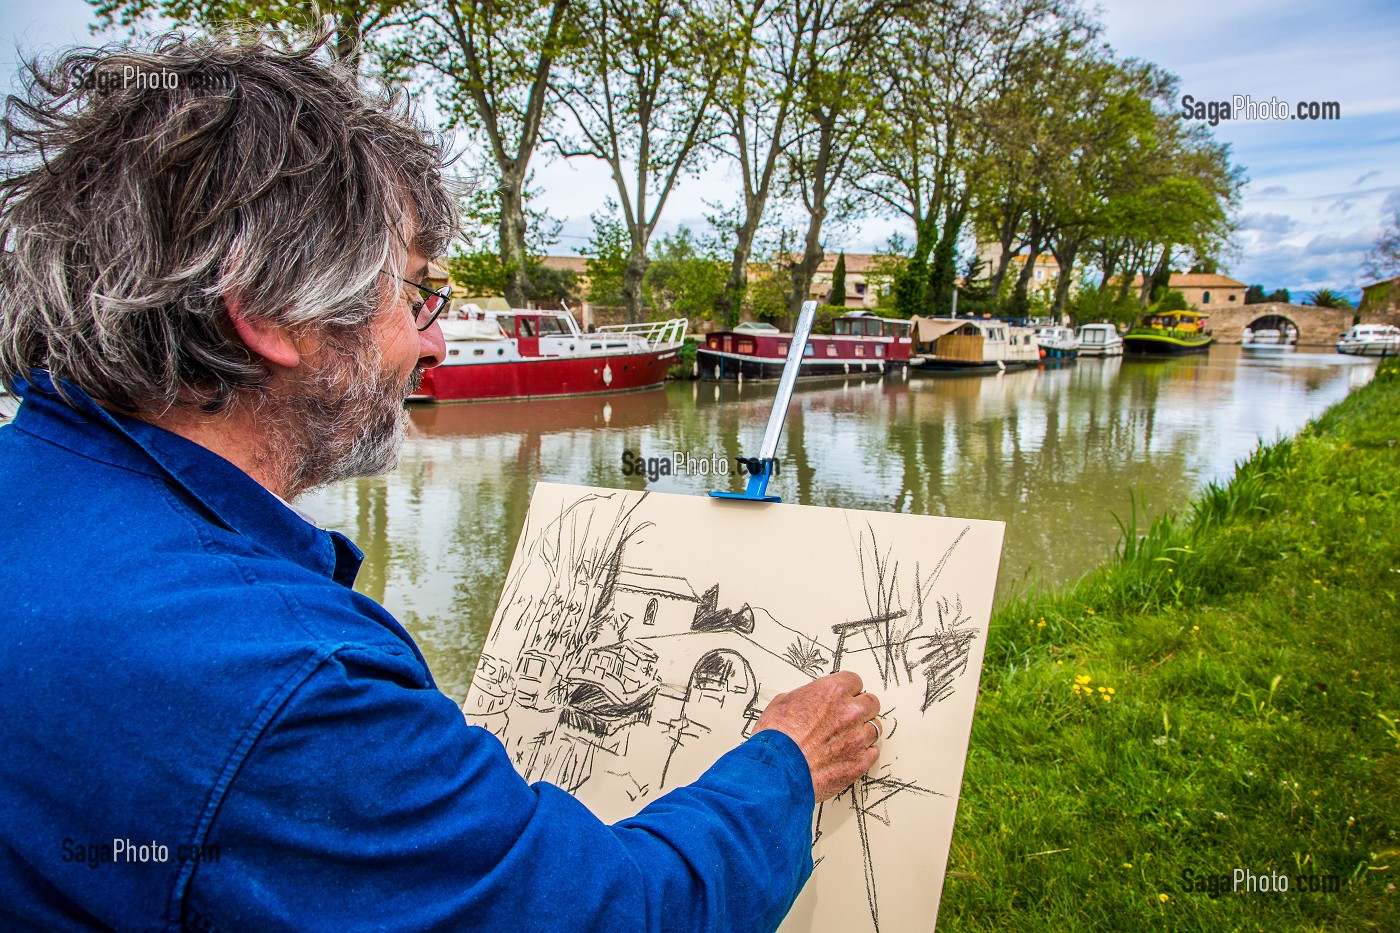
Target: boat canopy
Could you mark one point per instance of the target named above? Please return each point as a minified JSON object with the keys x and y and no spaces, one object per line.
{"x":488,"y":328}
{"x":929,"y":329}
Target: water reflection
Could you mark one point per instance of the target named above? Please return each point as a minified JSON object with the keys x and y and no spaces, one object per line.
{"x":1053,"y":453}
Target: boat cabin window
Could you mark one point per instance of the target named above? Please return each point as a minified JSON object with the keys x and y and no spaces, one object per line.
{"x":896,"y":329}
{"x":526,"y":325}
{"x":879,"y":349}
{"x":831,"y":349}
{"x":782,"y":347}
{"x":746,"y":346}
{"x":552,"y":325}
{"x":809,"y":350}
{"x":860,"y":349}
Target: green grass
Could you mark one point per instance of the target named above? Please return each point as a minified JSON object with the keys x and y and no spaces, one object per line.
{"x":1252,"y":648}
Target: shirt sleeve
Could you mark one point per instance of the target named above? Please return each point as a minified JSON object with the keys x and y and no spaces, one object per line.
{"x":369,"y":803}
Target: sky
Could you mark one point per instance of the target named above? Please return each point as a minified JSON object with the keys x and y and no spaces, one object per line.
{"x":1317,"y":191}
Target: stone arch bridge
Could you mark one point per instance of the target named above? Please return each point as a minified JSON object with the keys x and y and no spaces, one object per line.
{"x":1316,"y":326}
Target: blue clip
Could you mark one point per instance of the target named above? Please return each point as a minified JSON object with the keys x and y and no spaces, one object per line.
{"x":757,"y":488}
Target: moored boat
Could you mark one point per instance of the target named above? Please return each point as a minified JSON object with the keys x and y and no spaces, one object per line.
{"x":538,"y":354}
{"x":1371,"y":340}
{"x":861,"y":344}
{"x":1168,"y":333}
{"x":1056,"y":343}
{"x":1269,"y":340}
{"x":973,"y":345}
{"x":1099,"y":340}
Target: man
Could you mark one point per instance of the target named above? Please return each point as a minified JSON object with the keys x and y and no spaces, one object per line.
{"x":207,"y":302}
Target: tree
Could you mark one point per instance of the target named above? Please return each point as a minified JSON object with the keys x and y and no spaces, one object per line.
{"x":639,"y":91}
{"x":1383,"y":261}
{"x":836,"y":84}
{"x":607,"y":254}
{"x":354,"y":22}
{"x":755,"y":104}
{"x":1281,"y":295}
{"x":493,"y":65}
{"x":1327,"y":298}
{"x":1254,"y":295}
{"x":683,"y":279}
{"x":837,"y":295}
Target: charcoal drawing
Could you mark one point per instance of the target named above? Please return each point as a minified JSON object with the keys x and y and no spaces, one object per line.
{"x":639,"y":637}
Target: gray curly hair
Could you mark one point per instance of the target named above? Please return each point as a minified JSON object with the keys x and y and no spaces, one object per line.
{"x":145,"y":184}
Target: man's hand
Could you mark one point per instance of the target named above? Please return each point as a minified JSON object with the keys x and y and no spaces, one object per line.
{"x":830,"y":719}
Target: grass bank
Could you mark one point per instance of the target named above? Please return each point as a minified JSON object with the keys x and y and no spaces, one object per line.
{"x":1223,"y":694}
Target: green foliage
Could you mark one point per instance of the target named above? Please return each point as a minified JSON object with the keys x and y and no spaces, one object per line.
{"x":1327,"y":298}
{"x":480,"y":273}
{"x":477,"y":273}
{"x":1219,"y":695}
{"x":1169,"y":299}
{"x":1254,"y":295}
{"x":837,"y":296}
{"x":683,"y":280}
{"x":1281,"y":295}
{"x":607,"y":257}
{"x":1093,"y":303}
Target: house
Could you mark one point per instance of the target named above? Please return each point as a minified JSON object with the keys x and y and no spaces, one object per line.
{"x":1045,"y":272}
{"x":1205,"y":291}
{"x":865,"y":286}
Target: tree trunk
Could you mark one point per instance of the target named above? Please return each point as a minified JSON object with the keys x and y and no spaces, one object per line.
{"x":1020,"y":300}
{"x":731,"y":300}
{"x":943,"y":273}
{"x":1065,"y":256}
{"x":632,"y":278}
{"x":512,"y":237}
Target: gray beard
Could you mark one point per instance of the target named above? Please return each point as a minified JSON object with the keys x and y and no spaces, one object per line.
{"x":345,"y":420}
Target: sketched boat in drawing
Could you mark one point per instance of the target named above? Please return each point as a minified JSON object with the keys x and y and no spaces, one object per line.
{"x":860,"y":343}
{"x":539,"y":354}
{"x":613,"y":688}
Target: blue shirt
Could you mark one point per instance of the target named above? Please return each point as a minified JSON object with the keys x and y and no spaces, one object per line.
{"x":186,"y":668}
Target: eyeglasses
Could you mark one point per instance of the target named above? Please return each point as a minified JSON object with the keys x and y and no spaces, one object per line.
{"x":433,"y":303}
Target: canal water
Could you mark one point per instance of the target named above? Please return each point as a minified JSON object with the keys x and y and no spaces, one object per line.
{"x":1055,"y":453}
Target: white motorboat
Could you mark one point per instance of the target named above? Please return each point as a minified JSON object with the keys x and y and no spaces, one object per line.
{"x":1269,"y":340}
{"x":1100,"y":340}
{"x":1056,"y":342}
{"x":1371,"y":340}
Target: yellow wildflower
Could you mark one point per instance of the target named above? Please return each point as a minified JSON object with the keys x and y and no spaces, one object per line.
{"x":1163,"y":898}
{"x":1083,"y":679}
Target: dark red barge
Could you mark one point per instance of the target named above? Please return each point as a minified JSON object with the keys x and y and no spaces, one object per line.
{"x":861,"y":344}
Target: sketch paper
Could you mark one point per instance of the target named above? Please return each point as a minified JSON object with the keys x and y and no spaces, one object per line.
{"x":640,"y":635}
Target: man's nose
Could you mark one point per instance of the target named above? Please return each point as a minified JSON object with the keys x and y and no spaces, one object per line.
{"x":432,"y":348}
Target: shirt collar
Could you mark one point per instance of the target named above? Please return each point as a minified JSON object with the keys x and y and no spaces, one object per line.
{"x":230,"y":496}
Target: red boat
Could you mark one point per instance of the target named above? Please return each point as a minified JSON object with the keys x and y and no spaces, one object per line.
{"x":861,"y":343}
{"x":536,"y":354}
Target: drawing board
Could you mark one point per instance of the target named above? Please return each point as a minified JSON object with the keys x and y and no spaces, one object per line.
{"x":639,"y":636}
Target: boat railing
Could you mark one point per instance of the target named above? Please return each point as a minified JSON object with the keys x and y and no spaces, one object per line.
{"x":654,"y":333}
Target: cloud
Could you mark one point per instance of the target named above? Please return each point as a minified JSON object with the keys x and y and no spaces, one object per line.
{"x":1391,"y":204}
{"x":1327,"y":260}
{"x":1273,"y":191}
{"x":1277,"y":225}
{"x":1364,"y":178}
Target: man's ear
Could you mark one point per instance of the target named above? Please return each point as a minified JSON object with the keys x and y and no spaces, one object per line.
{"x":270,"y":341}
